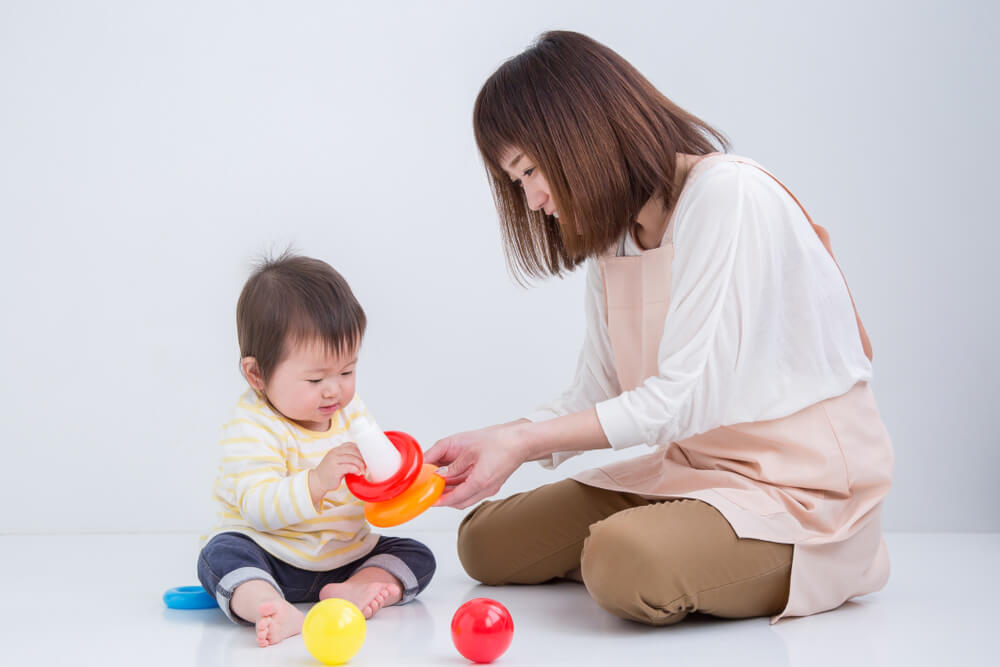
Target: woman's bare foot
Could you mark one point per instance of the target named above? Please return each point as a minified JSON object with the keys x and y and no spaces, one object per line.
{"x":277,"y":620}
{"x":368,"y":596}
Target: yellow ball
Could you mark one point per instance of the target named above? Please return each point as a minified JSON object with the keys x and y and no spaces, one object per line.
{"x":334,"y":631}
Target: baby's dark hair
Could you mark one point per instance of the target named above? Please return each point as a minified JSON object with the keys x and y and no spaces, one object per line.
{"x":293,"y":299}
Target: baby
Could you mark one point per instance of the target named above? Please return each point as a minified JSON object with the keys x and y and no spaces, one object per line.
{"x":288,"y":530}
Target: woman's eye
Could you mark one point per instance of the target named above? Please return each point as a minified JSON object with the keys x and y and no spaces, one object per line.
{"x":527,"y":172}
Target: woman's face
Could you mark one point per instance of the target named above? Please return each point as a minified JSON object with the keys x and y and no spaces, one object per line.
{"x":524,"y":173}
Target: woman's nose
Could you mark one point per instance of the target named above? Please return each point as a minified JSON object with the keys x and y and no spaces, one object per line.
{"x":536,"y":198}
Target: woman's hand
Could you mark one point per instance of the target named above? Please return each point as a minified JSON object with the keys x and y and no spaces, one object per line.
{"x":477,"y":463}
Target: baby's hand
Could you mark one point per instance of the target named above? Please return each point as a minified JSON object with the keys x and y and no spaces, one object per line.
{"x":338,"y":462}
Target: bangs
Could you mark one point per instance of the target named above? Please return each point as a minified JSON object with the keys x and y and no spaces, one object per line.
{"x":498,"y":122}
{"x":503,"y":120}
{"x":336,"y":336}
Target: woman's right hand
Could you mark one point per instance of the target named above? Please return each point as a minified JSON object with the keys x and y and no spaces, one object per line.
{"x":477,"y":463}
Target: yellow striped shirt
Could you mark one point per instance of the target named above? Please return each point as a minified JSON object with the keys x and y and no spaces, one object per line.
{"x":262,"y":489}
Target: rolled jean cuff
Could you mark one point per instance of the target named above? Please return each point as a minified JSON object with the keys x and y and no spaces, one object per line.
{"x":228,"y":584}
{"x":397,"y":568}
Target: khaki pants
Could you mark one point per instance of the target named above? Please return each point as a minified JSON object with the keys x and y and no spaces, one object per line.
{"x":650,"y":561}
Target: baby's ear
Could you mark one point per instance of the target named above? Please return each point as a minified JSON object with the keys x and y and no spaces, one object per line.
{"x":251,"y":372}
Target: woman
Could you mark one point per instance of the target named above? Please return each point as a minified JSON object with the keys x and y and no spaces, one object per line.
{"x":719,"y":329}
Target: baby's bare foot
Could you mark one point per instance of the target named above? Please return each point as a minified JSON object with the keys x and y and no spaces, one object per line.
{"x":369,"y":597}
{"x":278,"y":620}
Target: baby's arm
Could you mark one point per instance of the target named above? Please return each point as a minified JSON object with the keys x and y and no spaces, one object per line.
{"x":329,"y":474}
{"x":256,"y":479}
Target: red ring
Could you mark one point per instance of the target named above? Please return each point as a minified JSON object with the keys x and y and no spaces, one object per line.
{"x":409,"y":468}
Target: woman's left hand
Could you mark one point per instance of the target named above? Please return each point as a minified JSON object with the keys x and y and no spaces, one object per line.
{"x":477,"y":463}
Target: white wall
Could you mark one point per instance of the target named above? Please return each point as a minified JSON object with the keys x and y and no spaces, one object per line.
{"x":149,"y":151}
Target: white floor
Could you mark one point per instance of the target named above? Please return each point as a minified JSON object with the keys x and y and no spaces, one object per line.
{"x":97,"y":600}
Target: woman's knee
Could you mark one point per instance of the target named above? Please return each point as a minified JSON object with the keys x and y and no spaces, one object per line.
{"x":482,"y":542}
{"x":628,"y":576}
{"x":534,"y":536}
{"x":658,"y":563}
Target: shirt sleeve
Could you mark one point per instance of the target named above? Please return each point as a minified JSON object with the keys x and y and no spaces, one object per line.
{"x":595,"y":379}
{"x":706,"y":248}
{"x":254,"y":464}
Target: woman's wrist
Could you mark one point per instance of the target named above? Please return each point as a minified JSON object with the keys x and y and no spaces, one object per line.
{"x":529,"y":441}
{"x":575,"y":432}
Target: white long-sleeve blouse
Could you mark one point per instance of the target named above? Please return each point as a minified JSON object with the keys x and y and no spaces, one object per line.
{"x":760,"y":323}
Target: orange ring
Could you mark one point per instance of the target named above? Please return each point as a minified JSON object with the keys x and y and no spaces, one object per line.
{"x":401,"y":480}
{"x":426,"y":489}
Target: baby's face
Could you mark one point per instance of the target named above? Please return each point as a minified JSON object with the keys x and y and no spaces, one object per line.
{"x":311,"y":383}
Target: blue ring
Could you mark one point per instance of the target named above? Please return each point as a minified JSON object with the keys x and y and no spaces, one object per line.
{"x":188,"y":597}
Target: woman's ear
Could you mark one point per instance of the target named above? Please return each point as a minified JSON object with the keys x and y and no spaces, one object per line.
{"x":251,"y":371}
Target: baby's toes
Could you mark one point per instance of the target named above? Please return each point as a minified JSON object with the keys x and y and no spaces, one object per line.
{"x":263,"y":627}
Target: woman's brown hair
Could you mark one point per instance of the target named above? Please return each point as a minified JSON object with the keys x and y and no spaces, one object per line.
{"x":604,"y":137}
{"x":293,"y":299}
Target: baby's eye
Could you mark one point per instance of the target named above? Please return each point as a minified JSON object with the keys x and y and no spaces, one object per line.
{"x":316,"y":381}
{"x":346,"y":373}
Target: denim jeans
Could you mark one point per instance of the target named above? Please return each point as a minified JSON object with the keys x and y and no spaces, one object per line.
{"x":232,"y":559}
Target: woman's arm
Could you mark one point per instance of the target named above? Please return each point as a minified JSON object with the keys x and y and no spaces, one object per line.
{"x":551,"y":434}
{"x":477,"y":463}
{"x":760,"y":323}
{"x":595,"y":379}
{"x":580,"y":431}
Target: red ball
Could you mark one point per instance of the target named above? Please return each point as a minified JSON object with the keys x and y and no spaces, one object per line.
{"x":482,"y":629}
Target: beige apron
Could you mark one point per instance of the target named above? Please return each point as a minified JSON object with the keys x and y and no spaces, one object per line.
{"x":814,"y":479}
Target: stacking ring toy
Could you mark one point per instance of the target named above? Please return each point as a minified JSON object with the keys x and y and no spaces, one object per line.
{"x":422,"y":493}
{"x":188,"y":597}
{"x":410,"y":490}
{"x":413,"y":459}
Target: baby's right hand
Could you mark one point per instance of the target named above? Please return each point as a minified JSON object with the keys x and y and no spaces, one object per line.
{"x":338,"y":462}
